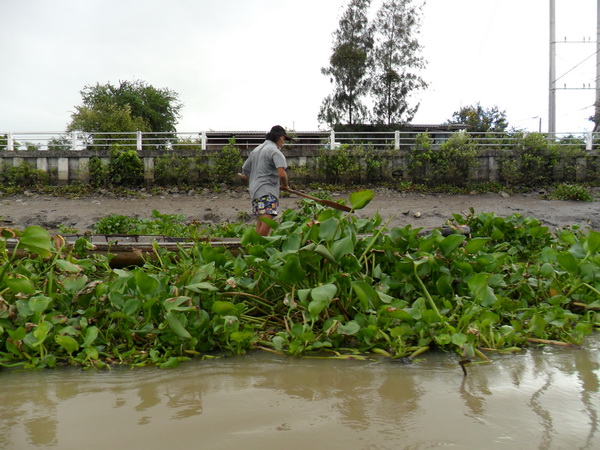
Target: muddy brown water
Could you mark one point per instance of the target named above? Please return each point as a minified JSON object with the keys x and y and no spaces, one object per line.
{"x":537,"y":399}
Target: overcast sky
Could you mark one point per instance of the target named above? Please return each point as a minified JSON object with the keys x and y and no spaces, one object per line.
{"x":250,"y":64}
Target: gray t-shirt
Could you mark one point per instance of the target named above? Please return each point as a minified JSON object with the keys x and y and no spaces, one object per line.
{"x":261,"y":168}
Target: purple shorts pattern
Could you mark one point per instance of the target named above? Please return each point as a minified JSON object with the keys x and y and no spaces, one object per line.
{"x":267,"y":204}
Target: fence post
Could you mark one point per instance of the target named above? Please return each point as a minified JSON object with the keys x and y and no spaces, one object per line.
{"x":9,"y":142}
{"x":589,"y":142}
{"x":204,"y":139}
{"x":332,"y":140}
{"x":139,"y":141}
{"x":73,"y":140}
{"x":397,"y":140}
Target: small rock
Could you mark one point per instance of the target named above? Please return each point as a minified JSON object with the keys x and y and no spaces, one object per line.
{"x":417,"y":215}
{"x":504,"y":194}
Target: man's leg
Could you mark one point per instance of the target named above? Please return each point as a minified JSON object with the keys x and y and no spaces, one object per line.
{"x":262,"y":228}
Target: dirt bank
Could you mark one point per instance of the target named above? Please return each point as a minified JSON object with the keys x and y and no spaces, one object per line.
{"x":418,"y":210}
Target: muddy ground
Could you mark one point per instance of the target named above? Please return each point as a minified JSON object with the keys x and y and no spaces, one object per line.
{"x":419,"y":210}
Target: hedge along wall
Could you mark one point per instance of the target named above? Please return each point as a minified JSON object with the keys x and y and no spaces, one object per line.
{"x":64,"y":167}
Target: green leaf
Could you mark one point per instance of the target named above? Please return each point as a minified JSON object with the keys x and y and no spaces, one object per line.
{"x":325,"y":292}
{"x":593,"y":242}
{"x":316,"y":306}
{"x":459,"y":339}
{"x":170,"y":363}
{"x":325,"y":253}
{"x":39,"y":303}
{"x":349,"y":329}
{"x":68,"y":343}
{"x":292,"y":271}
{"x":66,"y":266}
{"x":450,"y":243}
{"x":568,"y":262}
{"x":366,"y":294}
{"x":41,"y":332}
{"x":360,"y":199}
{"x":75,"y":284}
{"x":174,"y":304}
{"x":224,"y":308}
{"x":250,"y":237}
{"x":303,"y":295}
{"x":342,"y":247}
{"x":537,"y":325}
{"x":132,"y":306}
{"x":480,"y":289}
{"x":20,"y":285}
{"x":91,"y":352}
{"x":201,"y":287}
{"x":329,"y":228}
{"x":176,"y":326}
{"x":36,"y":240}
{"x":18,"y":334}
{"x":91,"y":333}
{"x":292,"y":242}
{"x":278,"y":343}
{"x":144,"y":282}
{"x":476,"y":244}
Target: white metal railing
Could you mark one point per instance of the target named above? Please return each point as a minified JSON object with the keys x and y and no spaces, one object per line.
{"x":206,"y":140}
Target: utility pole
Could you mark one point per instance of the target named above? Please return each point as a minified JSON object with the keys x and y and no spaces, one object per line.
{"x":597,"y":103}
{"x":552,"y":84}
{"x":552,"y":72}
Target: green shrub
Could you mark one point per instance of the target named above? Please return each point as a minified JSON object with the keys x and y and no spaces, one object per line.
{"x":450,"y":164}
{"x":23,"y":175}
{"x":530,"y":162}
{"x":573,"y":192}
{"x":173,"y":170}
{"x":227,"y":163}
{"x":98,"y":172}
{"x":125,"y":167}
{"x":375,"y":162}
{"x":338,"y":164}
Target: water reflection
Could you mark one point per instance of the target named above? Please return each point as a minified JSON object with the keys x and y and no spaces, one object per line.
{"x":536,"y":399}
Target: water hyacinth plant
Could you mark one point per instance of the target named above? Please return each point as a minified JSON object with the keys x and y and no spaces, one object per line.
{"x":323,"y":283}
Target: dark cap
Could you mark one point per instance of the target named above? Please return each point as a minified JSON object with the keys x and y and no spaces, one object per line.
{"x":278,"y":130}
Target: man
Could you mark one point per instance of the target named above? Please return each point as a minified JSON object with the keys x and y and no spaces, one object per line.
{"x":265,"y":169}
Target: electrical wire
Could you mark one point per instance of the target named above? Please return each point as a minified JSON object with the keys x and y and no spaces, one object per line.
{"x":575,"y":67}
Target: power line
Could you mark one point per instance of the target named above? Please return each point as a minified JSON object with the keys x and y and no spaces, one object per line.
{"x":576,"y":66}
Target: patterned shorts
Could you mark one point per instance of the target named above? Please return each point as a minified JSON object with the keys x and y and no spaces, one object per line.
{"x":267,"y":204}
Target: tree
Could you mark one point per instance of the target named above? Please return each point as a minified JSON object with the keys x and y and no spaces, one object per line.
{"x":480,"y":120}
{"x":396,"y":55}
{"x":349,"y":67}
{"x":131,"y":106}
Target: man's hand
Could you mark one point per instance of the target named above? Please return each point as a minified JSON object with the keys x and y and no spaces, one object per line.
{"x":242,"y":176}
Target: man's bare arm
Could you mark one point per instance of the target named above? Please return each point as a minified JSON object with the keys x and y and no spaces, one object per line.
{"x":283,"y":178}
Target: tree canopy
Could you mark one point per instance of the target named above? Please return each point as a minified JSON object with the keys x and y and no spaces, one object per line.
{"x":396,"y":55}
{"x":478,"y":119}
{"x":130,"y":106}
{"x":373,"y":64}
{"x":348,"y":66}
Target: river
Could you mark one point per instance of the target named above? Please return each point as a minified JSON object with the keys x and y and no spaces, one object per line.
{"x":536,"y":399}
